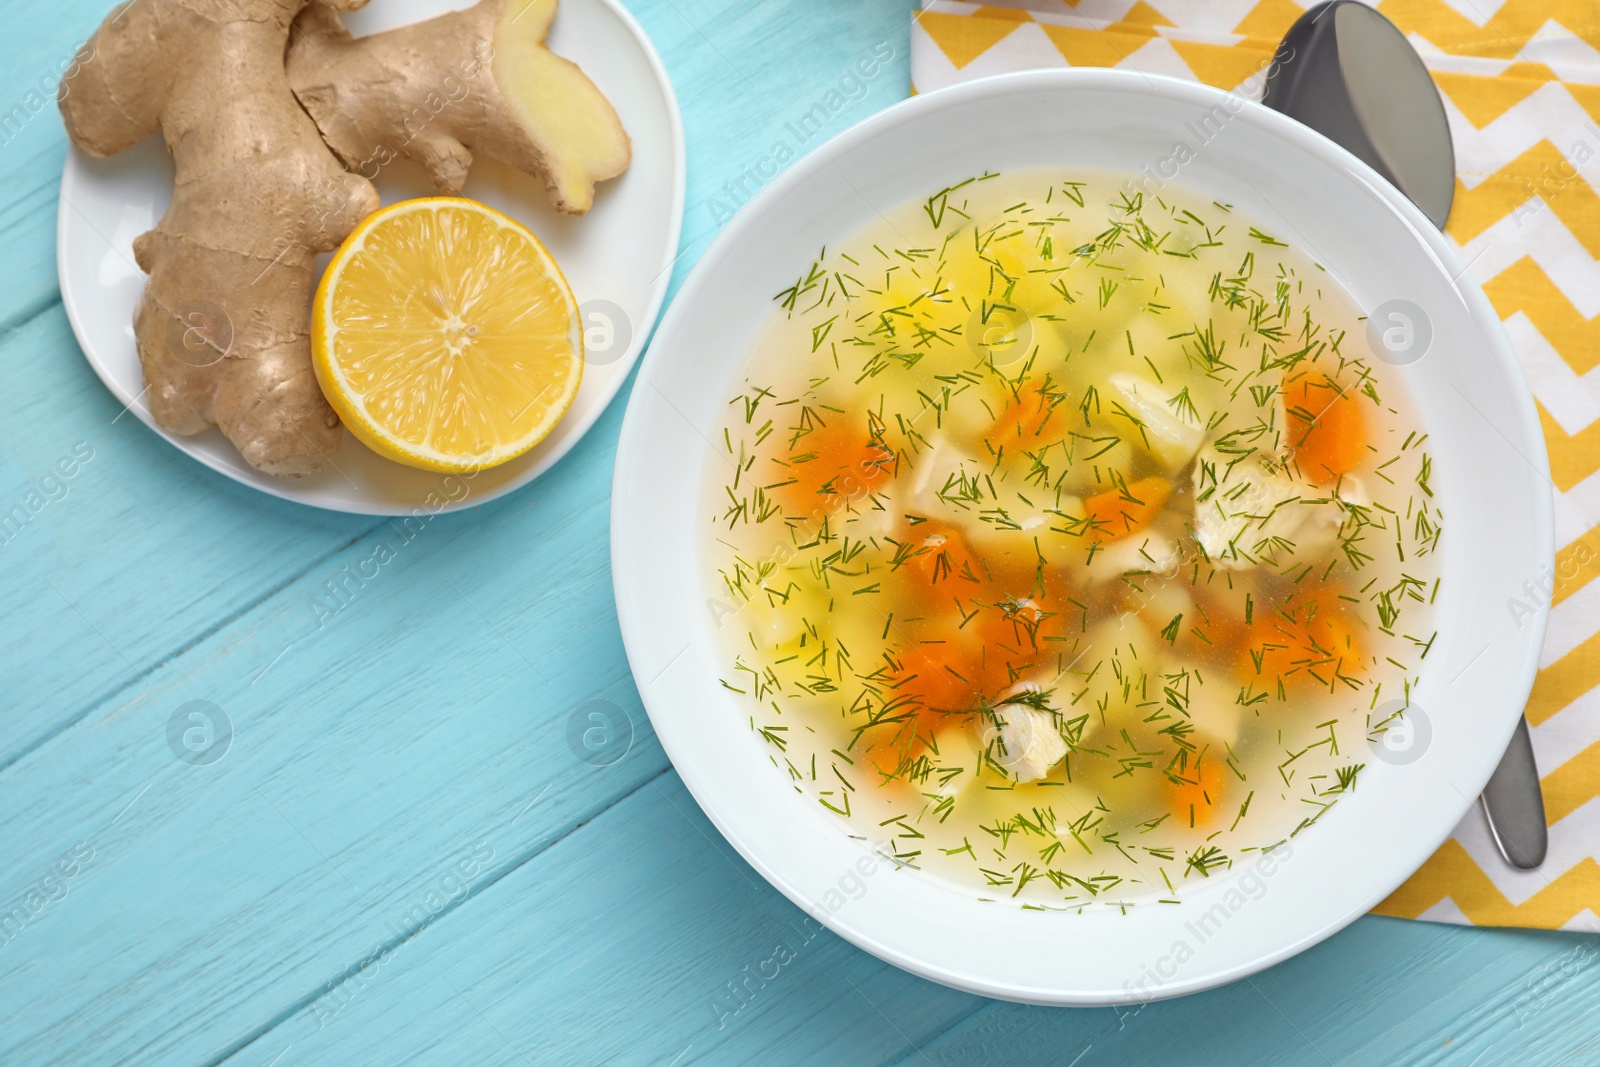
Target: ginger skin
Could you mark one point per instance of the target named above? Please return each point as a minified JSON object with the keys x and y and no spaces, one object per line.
{"x":477,"y":80}
{"x":223,"y":327}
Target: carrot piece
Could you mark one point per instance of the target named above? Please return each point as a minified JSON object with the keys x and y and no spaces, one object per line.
{"x":941,"y":676}
{"x":1306,"y":647}
{"x":1037,"y":416}
{"x":933,"y":679}
{"x":832,"y":464}
{"x":1116,"y":513}
{"x":1196,"y":797}
{"x":1213,"y":625}
{"x":1326,"y":426}
{"x":1275,"y":650}
{"x":1017,"y":623}
{"x":1334,"y":641}
{"x":942,"y":556}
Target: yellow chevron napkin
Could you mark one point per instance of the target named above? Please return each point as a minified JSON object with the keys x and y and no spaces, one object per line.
{"x":1521,"y":86}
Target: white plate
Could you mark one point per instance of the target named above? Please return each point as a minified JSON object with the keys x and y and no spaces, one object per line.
{"x":618,"y":259}
{"x":1490,"y":477}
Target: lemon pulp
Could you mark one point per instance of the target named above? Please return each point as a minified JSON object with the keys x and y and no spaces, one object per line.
{"x":445,"y":335}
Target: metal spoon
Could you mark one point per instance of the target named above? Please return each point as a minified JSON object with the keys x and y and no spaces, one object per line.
{"x":1350,"y":74}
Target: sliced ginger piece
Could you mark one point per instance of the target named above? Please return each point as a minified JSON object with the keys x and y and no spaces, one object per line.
{"x":478,"y":80}
{"x":559,"y":107}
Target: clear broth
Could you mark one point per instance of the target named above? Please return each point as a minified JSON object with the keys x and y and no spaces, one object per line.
{"x":1066,"y":542}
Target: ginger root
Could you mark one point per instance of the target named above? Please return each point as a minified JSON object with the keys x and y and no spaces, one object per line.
{"x":223,"y":327}
{"x":476,"y":80}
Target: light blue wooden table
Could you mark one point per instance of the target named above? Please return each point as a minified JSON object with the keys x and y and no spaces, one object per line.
{"x":399,"y":855}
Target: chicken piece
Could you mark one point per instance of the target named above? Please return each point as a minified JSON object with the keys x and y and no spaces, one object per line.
{"x":1149,"y":553}
{"x":1013,"y":528}
{"x":1025,"y":740}
{"x":1254,"y":512}
{"x":944,"y":483}
{"x":1029,"y":743}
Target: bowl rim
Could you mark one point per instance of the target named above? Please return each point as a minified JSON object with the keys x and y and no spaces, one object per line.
{"x":1484,"y":321}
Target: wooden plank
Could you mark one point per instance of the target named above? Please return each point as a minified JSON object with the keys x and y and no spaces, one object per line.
{"x":749,"y":79}
{"x":32,"y":147}
{"x":118,"y":551}
{"x":374,"y":738}
{"x":639,"y":939}
{"x":1382,"y":991}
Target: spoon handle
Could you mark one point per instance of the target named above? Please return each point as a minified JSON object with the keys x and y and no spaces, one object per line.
{"x":1513,"y":804}
{"x":1309,"y":81}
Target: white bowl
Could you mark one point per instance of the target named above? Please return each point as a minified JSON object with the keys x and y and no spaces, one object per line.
{"x":1491,"y":480}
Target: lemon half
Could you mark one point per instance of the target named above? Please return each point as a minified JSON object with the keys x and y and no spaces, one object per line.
{"x":445,"y":336}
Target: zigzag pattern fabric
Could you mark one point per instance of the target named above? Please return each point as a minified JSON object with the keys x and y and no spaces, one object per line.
{"x":1520,"y":81}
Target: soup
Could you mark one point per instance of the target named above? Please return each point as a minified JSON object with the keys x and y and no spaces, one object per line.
{"x":1066,"y":541}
